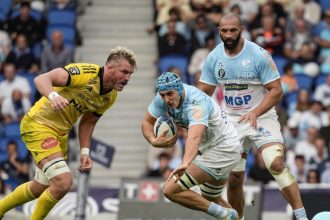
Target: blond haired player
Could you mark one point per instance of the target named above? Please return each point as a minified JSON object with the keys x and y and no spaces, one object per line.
{"x":78,"y":89}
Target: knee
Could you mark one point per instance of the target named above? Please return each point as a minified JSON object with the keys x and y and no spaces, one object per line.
{"x":277,"y":165}
{"x":168,"y":193}
{"x":235,"y":180}
{"x":63,"y":182}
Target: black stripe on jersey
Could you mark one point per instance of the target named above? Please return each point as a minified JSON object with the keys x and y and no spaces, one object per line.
{"x":69,"y":77}
{"x":100,"y":74}
{"x":86,"y":72}
{"x":97,"y":114}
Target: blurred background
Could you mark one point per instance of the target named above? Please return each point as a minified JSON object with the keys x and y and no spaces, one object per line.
{"x":166,"y":35}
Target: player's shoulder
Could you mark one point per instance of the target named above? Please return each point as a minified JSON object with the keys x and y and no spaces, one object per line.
{"x":256,"y":50}
{"x":85,"y":68}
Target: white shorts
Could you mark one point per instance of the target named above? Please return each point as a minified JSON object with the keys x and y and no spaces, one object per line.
{"x":217,"y":162}
{"x":268,"y":131}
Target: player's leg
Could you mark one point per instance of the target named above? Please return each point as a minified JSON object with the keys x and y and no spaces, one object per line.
{"x":23,"y":193}
{"x":273,"y":155}
{"x":180,"y":193}
{"x":235,"y":193}
{"x":60,"y":178}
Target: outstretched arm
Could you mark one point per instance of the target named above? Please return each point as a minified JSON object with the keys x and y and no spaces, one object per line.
{"x":86,"y":128}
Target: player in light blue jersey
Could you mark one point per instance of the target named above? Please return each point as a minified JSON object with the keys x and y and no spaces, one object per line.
{"x":212,"y":148}
{"x":251,"y":87}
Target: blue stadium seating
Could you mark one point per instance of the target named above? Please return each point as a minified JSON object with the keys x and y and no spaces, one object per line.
{"x":304,"y":81}
{"x":33,"y":13}
{"x":11,"y":130}
{"x":280,"y":62}
{"x":320,"y":79}
{"x":22,"y":151}
{"x":180,"y":62}
{"x":62,"y":18}
{"x":5,"y":7}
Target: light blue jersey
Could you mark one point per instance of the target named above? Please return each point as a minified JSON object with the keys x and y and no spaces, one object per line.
{"x":242,"y":76}
{"x":199,"y":108}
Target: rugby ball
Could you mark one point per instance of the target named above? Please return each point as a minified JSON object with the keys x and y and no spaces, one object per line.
{"x":163,"y":123}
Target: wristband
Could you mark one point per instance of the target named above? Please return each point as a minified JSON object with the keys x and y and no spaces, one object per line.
{"x":84,"y":151}
{"x":52,"y":95}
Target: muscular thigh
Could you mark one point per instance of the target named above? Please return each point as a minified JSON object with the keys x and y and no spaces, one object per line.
{"x":42,"y":141}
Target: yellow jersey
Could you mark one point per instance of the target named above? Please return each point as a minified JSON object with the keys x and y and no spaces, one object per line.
{"x":84,"y":91}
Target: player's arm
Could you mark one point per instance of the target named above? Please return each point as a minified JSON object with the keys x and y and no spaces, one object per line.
{"x":45,"y":82}
{"x":274,"y":94}
{"x":195,"y":134}
{"x":207,"y":88}
{"x":86,"y":127}
{"x":147,"y":128}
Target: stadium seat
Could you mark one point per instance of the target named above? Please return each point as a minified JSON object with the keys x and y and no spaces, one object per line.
{"x":325,"y":4}
{"x":62,"y":18}
{"x":34,"y":13}
{"x":304,"y":81}
{"x":11,"y":130}
{"x":178,"y":61}
{"x":5,"y":7}
{"x":320,"y":79}
{"x":280,"y":62}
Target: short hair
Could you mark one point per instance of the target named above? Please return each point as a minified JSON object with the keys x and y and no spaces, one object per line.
{"x":120,"y":53}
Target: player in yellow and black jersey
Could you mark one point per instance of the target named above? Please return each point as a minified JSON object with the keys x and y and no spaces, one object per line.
{"x":78,"y":89}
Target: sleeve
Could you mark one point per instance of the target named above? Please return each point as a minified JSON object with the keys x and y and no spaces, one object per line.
{"x":267,"y":68}
{"x":80,"y":73}
{"x":207,"y":75}
{"x":157,"y":107}
{"x":110,"y":103}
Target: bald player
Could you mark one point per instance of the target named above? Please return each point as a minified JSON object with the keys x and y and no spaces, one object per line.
{"x":251,"y":87}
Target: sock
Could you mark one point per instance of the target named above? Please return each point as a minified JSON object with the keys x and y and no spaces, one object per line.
{"x":300,"y":213}
{"x":45,"y":203}
{"x":216,"y":210}
{"x":19,"y":196}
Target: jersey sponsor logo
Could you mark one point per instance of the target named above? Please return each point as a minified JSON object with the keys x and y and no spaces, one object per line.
{"x":262,"y":132}
{"x":238,"y":100}
{"x":235,"y":86}
{"x":49,"y":143}
{"x":247,"y":76}
{"x":80,"y":108}
{"x":74,"y":70}
{"x":89,"y":68}
{"x":221,"y":72}
{"x":246,"y":63}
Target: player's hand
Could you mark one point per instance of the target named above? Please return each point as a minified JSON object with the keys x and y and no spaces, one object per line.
{"x":162,"y":141}
{"x":250,"y":117}
{"x":86,"y":163}
{"x":178,"y":172}
{"x":59,"y":103}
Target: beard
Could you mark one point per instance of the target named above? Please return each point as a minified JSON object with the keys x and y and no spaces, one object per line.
{"x":231,"y":44}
